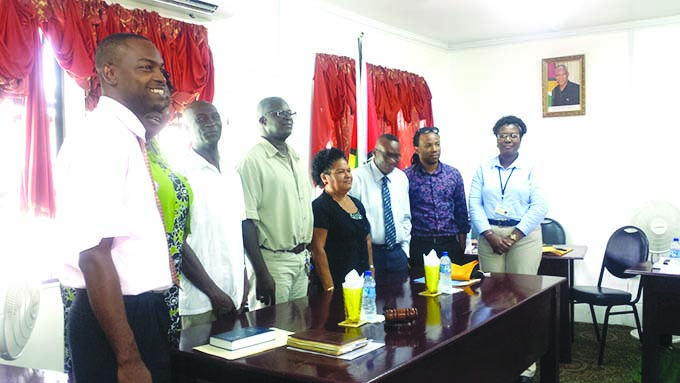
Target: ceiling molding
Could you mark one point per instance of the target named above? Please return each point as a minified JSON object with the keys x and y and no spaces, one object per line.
{"x":372,"y":23}
{"x":627,"y":26}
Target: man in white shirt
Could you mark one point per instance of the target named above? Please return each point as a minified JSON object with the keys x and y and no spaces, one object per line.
{"x":217,"y":214}
{"x":116,"y":252}
{"x":377,"y":184}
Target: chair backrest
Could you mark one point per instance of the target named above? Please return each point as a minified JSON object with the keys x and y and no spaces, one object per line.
{"x":553,"y":232}
{"x":627,"y":247}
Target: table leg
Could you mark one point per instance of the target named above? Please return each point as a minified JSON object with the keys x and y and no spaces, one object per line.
{"x":571,"y":304}
{"x":650,"y":336}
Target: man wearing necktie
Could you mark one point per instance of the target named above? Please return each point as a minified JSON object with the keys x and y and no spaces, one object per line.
{"x":383,"y":189}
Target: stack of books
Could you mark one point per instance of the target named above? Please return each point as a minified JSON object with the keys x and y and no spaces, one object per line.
{"x":326,"y":342}
{"x":243,"y":337}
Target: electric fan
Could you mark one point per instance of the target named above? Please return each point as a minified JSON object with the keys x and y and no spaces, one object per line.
{"x":660,"y":221}
{"x":19,"y":310}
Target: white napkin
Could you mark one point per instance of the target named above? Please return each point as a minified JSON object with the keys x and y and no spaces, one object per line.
{"x":353,"y":281}
{"x":431,"y":259}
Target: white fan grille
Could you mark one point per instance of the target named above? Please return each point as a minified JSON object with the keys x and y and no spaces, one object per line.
{"x":20,"y":311}
{"x":660,"y":221}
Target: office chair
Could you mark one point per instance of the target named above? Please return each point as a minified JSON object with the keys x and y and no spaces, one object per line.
{"x":627,"y":247}
{"x":553,"y":232}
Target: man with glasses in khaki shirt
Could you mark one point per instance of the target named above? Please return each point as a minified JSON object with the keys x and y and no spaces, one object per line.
{"x":277,"y":191}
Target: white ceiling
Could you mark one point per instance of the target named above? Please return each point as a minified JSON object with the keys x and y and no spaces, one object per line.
{"x":459,"y":22}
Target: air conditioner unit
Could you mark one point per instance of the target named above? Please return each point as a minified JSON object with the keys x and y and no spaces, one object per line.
{"x":189,"y":10}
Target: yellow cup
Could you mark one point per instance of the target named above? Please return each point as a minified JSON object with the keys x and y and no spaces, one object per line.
{"x":433,"y":315}
{"x":352,"y":299}
{"x":432,"y":279}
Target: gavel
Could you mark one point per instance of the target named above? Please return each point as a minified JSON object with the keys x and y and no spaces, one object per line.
{"x":400,"y":314}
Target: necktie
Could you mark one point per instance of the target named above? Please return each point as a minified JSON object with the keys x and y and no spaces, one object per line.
{"x":173,"y":270}
{"x":390,"y":232}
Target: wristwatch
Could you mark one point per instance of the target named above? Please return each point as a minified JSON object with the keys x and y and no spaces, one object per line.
{"x":513,"y":236}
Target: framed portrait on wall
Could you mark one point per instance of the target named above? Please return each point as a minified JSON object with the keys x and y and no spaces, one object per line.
{"x":564,"y":86}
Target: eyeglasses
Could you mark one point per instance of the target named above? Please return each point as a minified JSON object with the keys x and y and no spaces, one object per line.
{"x":512,"y":136}
{"x":428,"y":130}
{"x":281,"y":113}
{"x":393,"y":156}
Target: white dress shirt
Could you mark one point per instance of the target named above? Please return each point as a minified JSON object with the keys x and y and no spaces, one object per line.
{"x":104,"y":190}
{"x":216,"y":236}
{"x":367,"y":188}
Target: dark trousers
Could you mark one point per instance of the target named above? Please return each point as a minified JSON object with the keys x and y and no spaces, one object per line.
{"x":389,"y":263}
{"x":423,"y":245}
{"x":93,"y":357}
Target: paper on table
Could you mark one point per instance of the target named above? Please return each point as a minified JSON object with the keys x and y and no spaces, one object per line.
{"x":556,"y":250}
{"x":372,"y":345}
{"x":454,"y":283}
{"x":281,"y":338}
{"x":667,"y":265}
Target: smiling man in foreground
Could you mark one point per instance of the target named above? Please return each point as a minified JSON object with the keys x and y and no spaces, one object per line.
{"x":116,"y":255}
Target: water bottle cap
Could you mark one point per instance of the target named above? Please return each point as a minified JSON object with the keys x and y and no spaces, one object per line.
{"x":675,"y":240}
{"x":368,"y":273}
{"x":445,"y":253}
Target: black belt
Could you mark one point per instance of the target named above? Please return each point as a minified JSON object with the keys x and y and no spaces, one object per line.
{"x":436,"y":240}
{"x":297,"y":249}
{"x":386,"y":247}
{"x":503,"y":223}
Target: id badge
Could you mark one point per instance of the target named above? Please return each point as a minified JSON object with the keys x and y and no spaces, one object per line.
{"x":501,"y":210}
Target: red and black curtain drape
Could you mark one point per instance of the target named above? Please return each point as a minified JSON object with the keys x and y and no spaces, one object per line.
{"x":74,"y":29}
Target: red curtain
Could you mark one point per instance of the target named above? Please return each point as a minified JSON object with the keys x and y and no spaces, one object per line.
{"x":75,"y":28}
{"x":21,"y":75}
{"x":397,"y":102}
{"x":334,"y":118}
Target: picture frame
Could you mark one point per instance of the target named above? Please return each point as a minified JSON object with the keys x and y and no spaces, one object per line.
{"x":564,"y":86}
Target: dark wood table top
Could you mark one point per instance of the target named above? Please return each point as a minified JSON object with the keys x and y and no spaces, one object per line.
{"x":442,"y":320}
{"x":645,"y":268}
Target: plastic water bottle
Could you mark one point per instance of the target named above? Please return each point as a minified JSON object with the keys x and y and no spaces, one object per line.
{"x":445,"y":273}
{"x":368,"y":309}
{"x":675,"y":248}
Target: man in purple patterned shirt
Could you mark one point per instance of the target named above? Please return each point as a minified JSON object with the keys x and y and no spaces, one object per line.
{"x":439,"y":214}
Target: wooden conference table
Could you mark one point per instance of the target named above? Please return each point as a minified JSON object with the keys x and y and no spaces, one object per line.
{"x":660,"y":314}
{"x":562,"y":266}
{"x":491,"y":333}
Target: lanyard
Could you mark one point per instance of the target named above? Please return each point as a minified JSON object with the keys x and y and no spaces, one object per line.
{"x":500,"y":180}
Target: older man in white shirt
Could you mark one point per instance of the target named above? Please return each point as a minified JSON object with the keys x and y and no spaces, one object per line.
{"x":216,"y":224}
{"x":383,"y":189}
